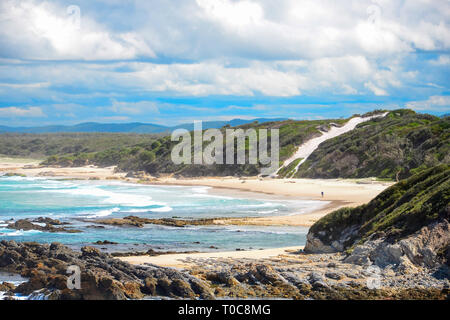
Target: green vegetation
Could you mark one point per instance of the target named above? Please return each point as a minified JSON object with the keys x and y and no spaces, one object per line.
{"x":390,"y":148}
{"x":66,"y":144}
{"x":394,"y":147}
{"x":289,"y":170}
{"x":398,"y":211}
{"x":154,"y":156}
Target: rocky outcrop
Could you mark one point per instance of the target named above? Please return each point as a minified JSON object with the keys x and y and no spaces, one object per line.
{"x":317,"y":244}
{"x":102,"y":276}
{"x":406,"y":226}
{"x":26,"y":225}
{"x":427,"y":248}
{"x":140,"y":222}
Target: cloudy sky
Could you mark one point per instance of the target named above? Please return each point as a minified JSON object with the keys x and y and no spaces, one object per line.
{"x":163,"y":61}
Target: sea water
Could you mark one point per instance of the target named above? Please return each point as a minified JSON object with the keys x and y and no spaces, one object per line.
{"x":80,"y":203}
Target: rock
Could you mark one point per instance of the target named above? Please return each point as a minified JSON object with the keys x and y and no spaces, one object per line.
{"x":315,"y":245}
{"x":334,"y":275}
{"x":150,"y":286}
{"x":90,"y":251}
{"x":133,"y":290}
{"x":50,"y":221}
{"x":266,"y":274}
{"x":222,"y":277}
{"x":421,"y":249}
{"x":201,"y":289}
{"x":6,"y":287}
{"x":315,"y":277}
{"x":360,"y":255}
{"x":331,"y":265}
{"x":182,"y":289}
{"x":105,"y":242}
{"x":102,"y":276}
{"x":323,"y":242}
{"x":26,"y":225}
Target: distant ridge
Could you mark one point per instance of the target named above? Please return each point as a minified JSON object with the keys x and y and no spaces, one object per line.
{"x":133,"y":127}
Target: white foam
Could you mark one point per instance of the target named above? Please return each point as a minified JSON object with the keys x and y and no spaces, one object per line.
{"x":161,"y":209}
{"x":268,"y":211}
{"x":202,"y":195}
{"x":101,"y":213}
{"x":124,"y":199}
{"x":261,"y":205}
{"x":201,"y":189}
{"x":19,"y":233}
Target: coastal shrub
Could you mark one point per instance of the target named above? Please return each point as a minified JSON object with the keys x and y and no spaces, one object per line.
{"x":393,"y":147}
{"x":398,"y":211}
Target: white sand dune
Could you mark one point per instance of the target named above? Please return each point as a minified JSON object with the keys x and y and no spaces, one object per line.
{"x":306,"y":149}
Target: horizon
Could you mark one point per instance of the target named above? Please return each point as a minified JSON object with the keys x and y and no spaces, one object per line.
{"x":169,"y":126}
{"x":80,"y":61}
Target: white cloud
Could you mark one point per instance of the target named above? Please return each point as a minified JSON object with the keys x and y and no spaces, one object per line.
{"x":443,"y":60}
{"x":25,"y":85}
{"x":233,"y":14}
{"x":31,"y":112}
{"x":134,"y":107}
{"x":48,"y":32}
{"x":376,"y":90}
{"x":232,"y":47}
{"x":433,"y":103}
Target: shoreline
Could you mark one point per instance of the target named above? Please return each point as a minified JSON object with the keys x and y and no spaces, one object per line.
{"x":338,"y":192}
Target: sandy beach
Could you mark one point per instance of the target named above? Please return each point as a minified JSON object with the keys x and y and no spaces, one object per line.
{"x":186,"y":260}
{"x":31,"y":168}
{"x":337,"y":192}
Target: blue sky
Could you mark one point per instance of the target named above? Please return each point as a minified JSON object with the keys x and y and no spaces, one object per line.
{"x":168,"y":62}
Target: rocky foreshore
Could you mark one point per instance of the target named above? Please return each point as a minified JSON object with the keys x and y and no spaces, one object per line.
{"x":292,"y":276}
{"x":102,"y":276}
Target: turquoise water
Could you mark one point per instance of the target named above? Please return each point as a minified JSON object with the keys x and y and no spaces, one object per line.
{"x":81,"y":202}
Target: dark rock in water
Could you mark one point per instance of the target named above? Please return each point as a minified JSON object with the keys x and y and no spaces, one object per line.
{"x":104,"y":242}
{"x":26,"y":225}
{"x":140,"y":222}
{"x":50,"y":221}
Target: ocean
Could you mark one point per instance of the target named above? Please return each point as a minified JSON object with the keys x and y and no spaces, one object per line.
{"x":81,"y":202}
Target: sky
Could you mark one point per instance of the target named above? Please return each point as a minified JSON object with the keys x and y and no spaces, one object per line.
{"x":170,"y":62}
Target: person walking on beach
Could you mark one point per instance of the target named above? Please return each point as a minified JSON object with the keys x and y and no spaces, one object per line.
{"x":322,"y":194}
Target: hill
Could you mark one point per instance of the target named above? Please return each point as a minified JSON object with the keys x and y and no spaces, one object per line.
{"x":154,"y":156}
{"x":393,"y":147}
{"x":408,"y":220}
{"x":134,"y":127}
{"x":44,"y":145}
